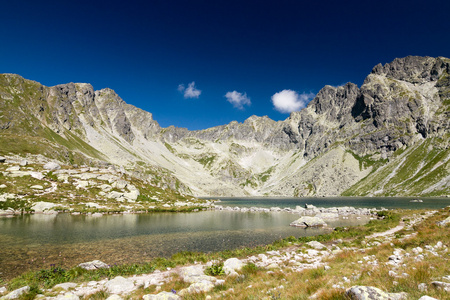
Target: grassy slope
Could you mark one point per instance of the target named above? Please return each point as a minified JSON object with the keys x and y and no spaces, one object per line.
{"x":409,"y":173}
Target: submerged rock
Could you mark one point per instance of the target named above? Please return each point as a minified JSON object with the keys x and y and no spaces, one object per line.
{"x":308,"y":222}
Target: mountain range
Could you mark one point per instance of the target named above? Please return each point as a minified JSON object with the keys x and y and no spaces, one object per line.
{"x":389,"y":137}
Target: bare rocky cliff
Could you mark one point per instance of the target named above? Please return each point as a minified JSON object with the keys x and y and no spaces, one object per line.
{"x":345,"y":136}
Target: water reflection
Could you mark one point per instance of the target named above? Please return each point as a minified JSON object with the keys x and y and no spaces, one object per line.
{"x":36,"y":241}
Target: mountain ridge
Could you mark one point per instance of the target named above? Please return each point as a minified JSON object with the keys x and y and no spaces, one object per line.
{"x":344,"y":135}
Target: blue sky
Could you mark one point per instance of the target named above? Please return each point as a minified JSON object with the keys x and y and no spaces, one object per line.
{"x":199,"y":64}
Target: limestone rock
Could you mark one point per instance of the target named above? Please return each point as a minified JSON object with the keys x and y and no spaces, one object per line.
{"x":308,"y":222}
{"x":372,"y":293}
{"x":52,"y":166}
{"x":93,"y":265}
{"x":162,"y":296}
{"x":2,"y":159}
{"x":198,"y":287}
{"x":37,"y":187}
{"x":441,"y":285}
{"x":231,"y":265}
{"x":65,"y":286}
{"x":16,"y":293}
{"x":67,"y":296}
{"x":42,"y":206}
{"x":114,"y":297}
{"x":192,"y":274}
{"x":444,"y":222}
{"x":120,"y":285}
{"x":327,"y":216}
{"x":427,"y":298}
{"x":316,"y":245}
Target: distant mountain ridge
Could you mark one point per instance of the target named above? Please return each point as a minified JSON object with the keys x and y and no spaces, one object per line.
{"x":388,"y":137}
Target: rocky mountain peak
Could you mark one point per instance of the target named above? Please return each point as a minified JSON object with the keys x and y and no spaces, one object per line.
{"x":323,"y":149}
{"x":414,"y":69}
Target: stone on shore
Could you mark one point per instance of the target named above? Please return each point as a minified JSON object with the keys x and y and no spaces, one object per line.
{"x":93,"y":265}
{"x":194,"y":274}
{"x":308,"y":222}
{"x":16,"y":293}
{"x":328,"y":216}
{"x":316,"y":245}
{"x":231,"y":265}
{"x":120,"y":285}
{"x":41,"y":206}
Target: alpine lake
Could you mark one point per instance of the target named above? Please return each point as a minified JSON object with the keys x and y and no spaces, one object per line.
{"x":36,"y":241}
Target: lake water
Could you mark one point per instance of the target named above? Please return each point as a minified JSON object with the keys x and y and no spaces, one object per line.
{"x":367,"y":202}
{"x":36,"y":241}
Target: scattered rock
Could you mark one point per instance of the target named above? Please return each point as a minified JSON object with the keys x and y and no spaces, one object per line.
{"x":316,"y":245}
{"x":114,"y":297}
{"x":16,"y":293}
{"x":37,"y":187}
{"x":198,"y":287}
{"x":441,"y":285}
{"x":308,"y":222}
{"x":329,"y":216}
{"x":65,"y":286}
{"x":422,"y":287}
{"x":42,"y":206}
{"x":2,"y":159}
{"x":93,"y":265}
{"x":231,"y":265}
{"x":162,"y":296}
{"x":427,"y":298}
{"x":120,"y":285}
{"x":52,"y":166}
{"x":2,"y":186}
{"x":372,"y":293}
{"x":68,"y":296}
{"x":444,"y":222}
{"x":194,"y":274}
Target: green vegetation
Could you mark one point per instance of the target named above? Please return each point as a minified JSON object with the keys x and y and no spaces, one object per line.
{"x":207,"y":159}
{"x":170,"y":148}
{"x":215,"y":270}
{"x":409,"y":173}
{"x":264,"y":176}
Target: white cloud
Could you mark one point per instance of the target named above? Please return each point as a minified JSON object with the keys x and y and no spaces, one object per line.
{"x":288,"y":101}
{"x":238,"y":99}
{"x":191,"y":91}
